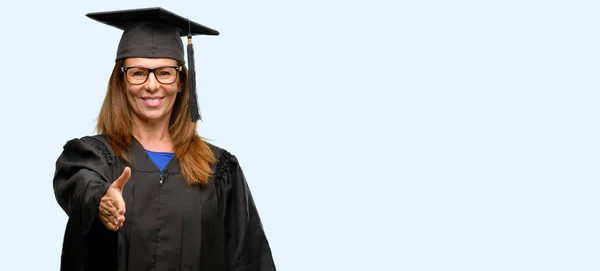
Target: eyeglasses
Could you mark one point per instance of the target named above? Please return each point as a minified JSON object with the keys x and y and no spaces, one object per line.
{"x":139,"y":75}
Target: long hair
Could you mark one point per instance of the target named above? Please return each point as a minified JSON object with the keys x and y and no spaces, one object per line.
{"x":114,"y":121}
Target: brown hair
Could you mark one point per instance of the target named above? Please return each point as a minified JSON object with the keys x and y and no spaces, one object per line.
{"x":114,"y":121}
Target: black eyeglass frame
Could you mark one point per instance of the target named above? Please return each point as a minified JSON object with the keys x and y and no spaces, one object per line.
{"x":177,"y":68}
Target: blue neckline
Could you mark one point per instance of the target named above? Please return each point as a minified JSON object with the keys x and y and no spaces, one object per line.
{"x":158,"y":152}
{"x":160,"y":159}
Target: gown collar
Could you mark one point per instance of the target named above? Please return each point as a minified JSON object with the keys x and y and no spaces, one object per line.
{"x":140,"y":160}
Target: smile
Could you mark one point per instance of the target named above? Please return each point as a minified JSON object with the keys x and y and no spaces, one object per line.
{"x":152,"y":101}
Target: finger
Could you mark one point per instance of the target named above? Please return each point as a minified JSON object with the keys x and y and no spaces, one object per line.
{"x":110,"y":220}
{"x":112,"y":224}
{"x":122,"y":180}
{"x":105,"y":212}
{"x":107,"y":208}
{"x":109,"y":225}
{"x":120,"y":222}
{"x":111,"y":214}
{"x":116,"y":217}
{"x":120,"y":205}
{"x":114,"y":210}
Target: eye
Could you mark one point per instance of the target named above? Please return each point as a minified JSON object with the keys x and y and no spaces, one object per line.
{"x":165,"y":73}
{"x":137,"y":72}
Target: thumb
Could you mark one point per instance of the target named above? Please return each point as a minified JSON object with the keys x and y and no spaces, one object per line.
{"x":122,"y":180}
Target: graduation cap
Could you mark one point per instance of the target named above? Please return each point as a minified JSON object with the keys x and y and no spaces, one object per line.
{"x":156,"y":33}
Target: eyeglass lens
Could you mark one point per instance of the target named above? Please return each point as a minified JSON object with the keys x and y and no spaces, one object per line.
{"x":165,"y":75}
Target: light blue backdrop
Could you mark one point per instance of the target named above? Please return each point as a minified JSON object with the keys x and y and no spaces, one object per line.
{"x":375,"y":135}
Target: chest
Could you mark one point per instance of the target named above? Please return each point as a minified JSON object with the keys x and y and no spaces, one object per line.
{"x":153,"y":198}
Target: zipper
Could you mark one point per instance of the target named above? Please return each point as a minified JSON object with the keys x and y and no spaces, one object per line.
{"x":157,"y":242}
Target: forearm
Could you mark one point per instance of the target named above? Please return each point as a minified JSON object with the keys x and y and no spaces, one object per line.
{"x":78,"y":182}
{"x":79,"y":195}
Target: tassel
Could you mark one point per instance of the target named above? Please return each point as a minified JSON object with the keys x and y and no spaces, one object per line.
{"x":194,"y":108}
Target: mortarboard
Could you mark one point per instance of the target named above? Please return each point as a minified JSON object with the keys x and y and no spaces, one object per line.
{"x":156,"y":33}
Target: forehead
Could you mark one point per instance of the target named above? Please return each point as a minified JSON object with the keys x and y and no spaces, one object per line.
{"x":149,"y":62}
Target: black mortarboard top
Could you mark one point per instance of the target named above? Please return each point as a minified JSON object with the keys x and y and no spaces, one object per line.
{"x":156,"y":33}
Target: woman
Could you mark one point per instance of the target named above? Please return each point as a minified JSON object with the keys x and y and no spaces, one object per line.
{"x":147,"y":193}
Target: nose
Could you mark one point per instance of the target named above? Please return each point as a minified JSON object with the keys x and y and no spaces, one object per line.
{"x":152,"y":83}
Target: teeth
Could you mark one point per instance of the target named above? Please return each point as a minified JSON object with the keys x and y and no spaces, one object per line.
{"x":154,"y":101}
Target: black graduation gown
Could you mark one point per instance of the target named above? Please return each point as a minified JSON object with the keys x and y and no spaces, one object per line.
{"x":168,"y":224}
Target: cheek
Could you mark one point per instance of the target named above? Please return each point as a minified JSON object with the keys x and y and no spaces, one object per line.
{"x":130,"y":94}
{"x":130,"y":91}
{"x":173,"y":91}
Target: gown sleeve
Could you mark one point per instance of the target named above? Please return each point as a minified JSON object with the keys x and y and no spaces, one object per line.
{"x":247,"y":245}
{"x":80,"y":182}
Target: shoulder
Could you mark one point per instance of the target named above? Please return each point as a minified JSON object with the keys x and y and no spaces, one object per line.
{"x":226,"y":165}
{"x":99,"y":143}
{"x":84,"y":153}
{"x":222,"y":155}
{"x":88,"y":139}
{"x":96,"y":144}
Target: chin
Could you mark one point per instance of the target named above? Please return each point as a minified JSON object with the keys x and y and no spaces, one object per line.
{"x":153,"y":117}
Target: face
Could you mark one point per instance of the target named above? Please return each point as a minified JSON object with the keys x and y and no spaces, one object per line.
{"x":151,"y":101}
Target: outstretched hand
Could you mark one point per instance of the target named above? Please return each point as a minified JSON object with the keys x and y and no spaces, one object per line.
{"x":112,"y":206}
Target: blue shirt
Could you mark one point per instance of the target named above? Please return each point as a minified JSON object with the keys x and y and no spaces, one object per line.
{"x":161,"y":159}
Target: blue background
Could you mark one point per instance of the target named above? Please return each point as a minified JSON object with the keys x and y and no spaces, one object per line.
{"x":375,"y":135}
